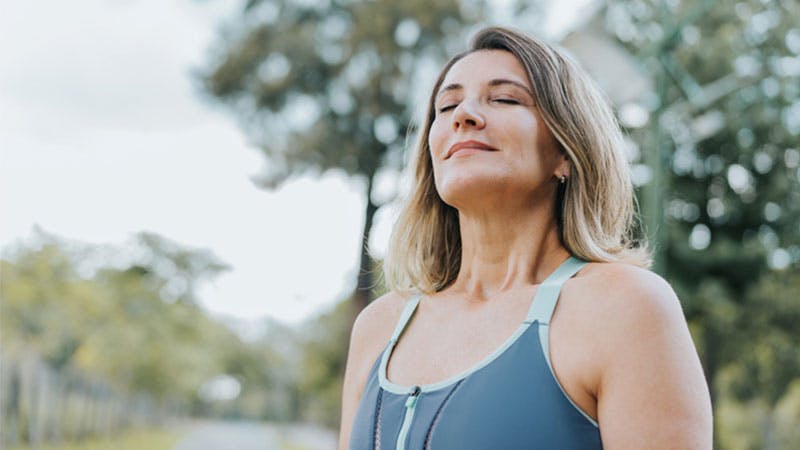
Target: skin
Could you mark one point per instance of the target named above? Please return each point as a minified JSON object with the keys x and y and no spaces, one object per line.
{"x":619,"y":343}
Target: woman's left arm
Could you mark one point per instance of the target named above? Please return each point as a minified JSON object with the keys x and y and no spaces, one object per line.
{"x":652,"y":393}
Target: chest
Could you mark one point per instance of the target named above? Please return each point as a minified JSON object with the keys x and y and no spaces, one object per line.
{"x":440,"y":342}
{"x":511,"y":403}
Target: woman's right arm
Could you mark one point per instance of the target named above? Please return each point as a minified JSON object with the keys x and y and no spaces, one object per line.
{"x":371,"y":332}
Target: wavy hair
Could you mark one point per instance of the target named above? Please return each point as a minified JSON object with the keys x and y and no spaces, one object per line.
{"x":595,"y":208}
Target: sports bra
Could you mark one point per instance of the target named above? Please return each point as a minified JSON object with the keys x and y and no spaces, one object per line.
{"x":510,"y":400}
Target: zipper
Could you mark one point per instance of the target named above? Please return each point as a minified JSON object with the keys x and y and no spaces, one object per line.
{"x":411,"y":405}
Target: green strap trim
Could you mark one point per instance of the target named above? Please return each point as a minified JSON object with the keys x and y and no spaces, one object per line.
{"x":405,"y":316}
{"x":544,"y":303}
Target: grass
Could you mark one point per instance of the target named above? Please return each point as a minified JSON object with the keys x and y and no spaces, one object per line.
{"x":290,"y":446}
{"x":154,"y":439}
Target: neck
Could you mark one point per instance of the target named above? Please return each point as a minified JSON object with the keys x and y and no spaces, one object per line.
{"x":505,"y":251}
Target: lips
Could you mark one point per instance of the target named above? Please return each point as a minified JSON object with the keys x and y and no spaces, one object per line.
{"x":476,"y":145}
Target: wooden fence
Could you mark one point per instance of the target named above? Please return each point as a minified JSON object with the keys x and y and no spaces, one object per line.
{"x":40,"y":405}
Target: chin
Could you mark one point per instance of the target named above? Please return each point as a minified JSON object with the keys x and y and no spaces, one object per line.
{"x":469,"y":190}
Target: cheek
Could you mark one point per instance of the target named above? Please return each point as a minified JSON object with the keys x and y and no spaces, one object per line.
{"x":545,"y":138}
{"x":536,"y":137}
{"x":436,"y":138}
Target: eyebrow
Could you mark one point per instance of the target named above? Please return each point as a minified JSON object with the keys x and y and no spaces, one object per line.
{"x":495,"y":82}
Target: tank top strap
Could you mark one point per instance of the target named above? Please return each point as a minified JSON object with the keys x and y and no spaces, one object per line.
{"x":405,"y":316}
{"x":544,"y":302}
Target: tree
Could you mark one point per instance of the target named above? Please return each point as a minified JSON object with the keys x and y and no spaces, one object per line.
{"x":67,"y":304}
{"x":329,"y":86}
{"x":726,"y":111}
{"x":323,"y":350}
{"x":181,"y":267}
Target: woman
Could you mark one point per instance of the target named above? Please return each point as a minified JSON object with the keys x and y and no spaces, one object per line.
{"x":521,"y":201}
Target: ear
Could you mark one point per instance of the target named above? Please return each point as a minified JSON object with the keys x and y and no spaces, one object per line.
{"x":563,"y":168}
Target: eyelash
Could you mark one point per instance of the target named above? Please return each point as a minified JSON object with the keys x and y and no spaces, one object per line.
{"x":507,"y":101}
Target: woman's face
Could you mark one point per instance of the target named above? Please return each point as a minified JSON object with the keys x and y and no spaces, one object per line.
{"x":487,"y":140}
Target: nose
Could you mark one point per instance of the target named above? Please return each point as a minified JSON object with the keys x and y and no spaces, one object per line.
{"x":468,"y":114}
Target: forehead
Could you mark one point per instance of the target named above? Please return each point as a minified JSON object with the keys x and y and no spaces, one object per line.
{"x":486,"y":65}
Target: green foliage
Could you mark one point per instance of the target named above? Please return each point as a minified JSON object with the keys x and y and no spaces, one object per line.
{"x":750,"y":425}
{"x":130,"y":325}
{"x":29,"y":288}
{"x":772,"y":360}
{"x":324,"y":344}
{"x":728,"y":110}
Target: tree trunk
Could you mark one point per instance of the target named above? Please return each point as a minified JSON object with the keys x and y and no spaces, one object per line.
{"x":366,"y":281}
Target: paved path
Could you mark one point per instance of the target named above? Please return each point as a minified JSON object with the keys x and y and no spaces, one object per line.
{"x":214,"y":435}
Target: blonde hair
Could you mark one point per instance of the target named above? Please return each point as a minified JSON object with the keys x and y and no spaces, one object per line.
{"x":595,"y":208}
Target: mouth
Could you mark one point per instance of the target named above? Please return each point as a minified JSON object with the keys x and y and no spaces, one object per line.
{"x":469,"y":145}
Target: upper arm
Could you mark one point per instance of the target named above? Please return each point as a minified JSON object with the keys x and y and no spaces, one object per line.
{"x":371,"y":332}
{"x":652,"y":393}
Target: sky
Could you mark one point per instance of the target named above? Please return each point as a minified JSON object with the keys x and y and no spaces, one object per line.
{"x":104,"y":133}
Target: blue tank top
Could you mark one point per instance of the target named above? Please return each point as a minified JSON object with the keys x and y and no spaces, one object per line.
{"x":511,"y":400}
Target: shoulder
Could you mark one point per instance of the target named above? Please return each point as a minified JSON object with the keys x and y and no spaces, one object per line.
{"x":609,"y":307}
{"x":375,"y":323}
{"x":623,"y":276}
{"x":626,"y":293}
{"x":622,"y":311}
{"x":646,"y":359}
{"x":626,"y":307}
{"x":371,"y":332}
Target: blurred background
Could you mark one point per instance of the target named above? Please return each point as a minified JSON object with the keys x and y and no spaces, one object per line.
{"x":196,"y":195}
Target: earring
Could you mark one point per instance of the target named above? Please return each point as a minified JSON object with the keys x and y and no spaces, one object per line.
{"x":563,"y":179}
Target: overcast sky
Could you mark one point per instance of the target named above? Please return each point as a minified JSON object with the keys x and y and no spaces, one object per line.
{"x":103,"y":134}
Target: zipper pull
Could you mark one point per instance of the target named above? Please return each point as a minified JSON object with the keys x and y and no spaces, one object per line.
{"x":411,"y":401}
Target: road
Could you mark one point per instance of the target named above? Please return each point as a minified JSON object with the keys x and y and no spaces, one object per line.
{"x":218,"y":435}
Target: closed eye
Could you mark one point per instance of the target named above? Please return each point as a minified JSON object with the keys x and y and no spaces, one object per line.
{"x":507,"y":101}
{"x":446,"y":108}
